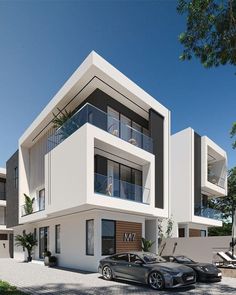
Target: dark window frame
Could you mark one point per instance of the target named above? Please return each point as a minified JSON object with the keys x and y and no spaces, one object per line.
{"x":16,"y":177}
{"x":57,"y":249}
{"x":114,"y":237}
{"x":86,"y":228}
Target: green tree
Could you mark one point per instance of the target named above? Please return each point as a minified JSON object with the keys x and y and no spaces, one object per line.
{"x":233,"y":134}
{"x":226,"y":205}
{"x":26,"y":241}
{"x":210,"y":31}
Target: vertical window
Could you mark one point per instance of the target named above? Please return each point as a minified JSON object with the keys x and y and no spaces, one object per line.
{"x":113,"y":124}
{"x":2,"y":189}
{"x":41,"y":199}
{"x":58,"y":239}
{"x":113,"y":185}
{"x":43,"y":241}
{"x":108,"y":237}
{"x":35,"y":233}
{"x":126,"y":129}
{"x":90,"y":237}
{"x":16,"y":177}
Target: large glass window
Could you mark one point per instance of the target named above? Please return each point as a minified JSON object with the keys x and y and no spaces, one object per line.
{"x":125,"y":128}
{"x":90,"y":237}
{"x":43,"y":241}
{"x":2,"y":189}
{"x":41,"y":199}
{"x":113,"y":123}
{"x":126,"y":184}
{"x":58,"y":238}
{"x":108,"y":237}
{"x":113,"y":171}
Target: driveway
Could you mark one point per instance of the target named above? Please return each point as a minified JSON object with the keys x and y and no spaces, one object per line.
{"x":35,"y":278}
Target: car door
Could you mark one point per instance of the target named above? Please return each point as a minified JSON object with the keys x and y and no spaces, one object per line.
{"x":119,"y":265}
{"x":136,"y":269}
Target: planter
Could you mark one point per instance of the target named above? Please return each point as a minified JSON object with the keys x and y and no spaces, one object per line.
{"x":46,"y":260}
{"x":52,"y":261}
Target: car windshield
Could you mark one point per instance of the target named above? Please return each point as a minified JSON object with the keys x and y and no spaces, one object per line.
{"x":152,"y":258}
{"x":184,"y":259}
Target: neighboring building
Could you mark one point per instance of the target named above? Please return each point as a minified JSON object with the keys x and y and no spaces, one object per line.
{"x":101,"y":180}
{"x":6,"y":236}
{"x":198,"y":173}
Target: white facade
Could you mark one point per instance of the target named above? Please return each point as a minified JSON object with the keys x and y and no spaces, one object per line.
{"x":191,"y":185}
{"x":64,"y":175}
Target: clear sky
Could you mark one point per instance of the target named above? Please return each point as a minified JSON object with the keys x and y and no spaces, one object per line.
{"x":43,"y":42}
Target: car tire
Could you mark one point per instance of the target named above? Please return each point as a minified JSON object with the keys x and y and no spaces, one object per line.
{"x":107,"y":273}
{"x":156,"y":280}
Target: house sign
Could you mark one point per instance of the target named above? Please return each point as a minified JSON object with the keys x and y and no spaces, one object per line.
{"x":129,"y":237}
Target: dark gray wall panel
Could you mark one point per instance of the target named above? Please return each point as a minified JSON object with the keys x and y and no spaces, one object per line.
{"x":156,"y":127}
{"x":11,"y":192}
{"x":197,"y":168}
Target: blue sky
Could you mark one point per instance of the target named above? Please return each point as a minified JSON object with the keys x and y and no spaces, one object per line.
{"x":43,"y":42}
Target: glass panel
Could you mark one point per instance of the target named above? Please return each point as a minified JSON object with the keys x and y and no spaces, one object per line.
{"x":41,"y":200}
{"x":125,"y":128}
{"x":43,"y":241}
{"x":113,"y":179}
{"x":136,"y":136}
{"x":2,"y":190}
{"x":90,"y":237}
{"x":113,"y":123}
{"x":108,"y":237}
{"x":125,"y":184}
{"x":58,"y":238}
{"x":137,"y":188}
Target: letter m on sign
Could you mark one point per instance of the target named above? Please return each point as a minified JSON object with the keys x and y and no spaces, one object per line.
{"x":129,"y":237}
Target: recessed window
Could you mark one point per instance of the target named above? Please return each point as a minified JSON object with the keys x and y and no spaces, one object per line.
{"x":3,"y":237}
{"x":41,"y":199}
{"x":58,"y":239}
{"x":108,"y":237}
{"x":90,"y":237}
{"x":16,"y":177}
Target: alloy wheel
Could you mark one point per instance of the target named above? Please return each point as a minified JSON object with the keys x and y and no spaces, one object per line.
{"x":107,"y":273}
{"x":156,"y":281}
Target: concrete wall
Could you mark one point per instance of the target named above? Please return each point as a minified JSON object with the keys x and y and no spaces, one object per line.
{"x":197,"y":248}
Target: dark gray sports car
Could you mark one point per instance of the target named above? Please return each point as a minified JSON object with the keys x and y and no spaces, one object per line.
{"x":205,"y":272}
{"x":147,"y":268}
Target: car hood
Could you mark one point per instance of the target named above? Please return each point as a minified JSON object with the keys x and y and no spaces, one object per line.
{"x":170,"y":267}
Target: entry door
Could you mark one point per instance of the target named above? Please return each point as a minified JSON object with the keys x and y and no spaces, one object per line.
{"x":43,"y":240}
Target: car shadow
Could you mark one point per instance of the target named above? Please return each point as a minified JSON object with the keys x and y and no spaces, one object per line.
{"x":149,"y":289}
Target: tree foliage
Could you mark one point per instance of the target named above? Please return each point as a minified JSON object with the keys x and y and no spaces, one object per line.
{"x":27,"y":241}
{"x":28,"y":206}
{"x":233,"y":134}
{"x":226,"y":205}
{"x":210,"y":31}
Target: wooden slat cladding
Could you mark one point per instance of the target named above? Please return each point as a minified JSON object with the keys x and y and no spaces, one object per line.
{"x":194,"y":232}
{"x":124,"y":227}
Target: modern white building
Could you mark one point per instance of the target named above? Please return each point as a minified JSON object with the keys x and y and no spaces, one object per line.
{"x":198,"y":174}
{"x":100,"y":180}
{"x":5,"y":233}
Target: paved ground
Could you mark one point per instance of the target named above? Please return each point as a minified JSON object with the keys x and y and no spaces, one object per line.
{"x":37,"y":279}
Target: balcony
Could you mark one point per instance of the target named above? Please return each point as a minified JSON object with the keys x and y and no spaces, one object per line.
{"x":38,"y":205}
{"x":219,"y":181}
{"x":90,"y":114}
{"x":206,"y":212}
{"x":111,"y":187}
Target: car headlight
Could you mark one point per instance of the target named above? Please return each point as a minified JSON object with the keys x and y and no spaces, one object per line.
{"x":172,"y":273}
